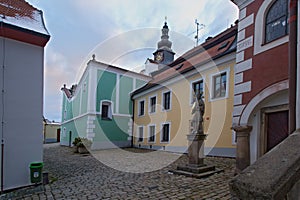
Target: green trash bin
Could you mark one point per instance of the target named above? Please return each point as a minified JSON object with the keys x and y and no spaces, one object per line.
{"x":36,"y":172}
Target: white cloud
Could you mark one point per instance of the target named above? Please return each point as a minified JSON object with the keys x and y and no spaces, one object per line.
{"x":78,"y":26}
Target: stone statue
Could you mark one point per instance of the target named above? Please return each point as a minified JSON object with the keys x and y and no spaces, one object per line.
{"x":197,"y":114}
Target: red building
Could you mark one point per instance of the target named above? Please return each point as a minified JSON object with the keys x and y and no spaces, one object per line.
{"x":262,"y":110}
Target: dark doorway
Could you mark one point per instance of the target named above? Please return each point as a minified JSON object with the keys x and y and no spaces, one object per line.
{"x":276,"y":127}
{"x":70,"y":139}
{"x":58,"y":135}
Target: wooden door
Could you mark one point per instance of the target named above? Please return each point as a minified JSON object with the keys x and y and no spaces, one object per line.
{"x":276,"y":128}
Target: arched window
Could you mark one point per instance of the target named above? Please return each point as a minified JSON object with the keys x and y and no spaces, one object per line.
{"x":276,"y":21}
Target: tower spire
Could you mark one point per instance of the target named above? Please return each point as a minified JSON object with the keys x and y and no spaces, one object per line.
{"x":164,"y":54}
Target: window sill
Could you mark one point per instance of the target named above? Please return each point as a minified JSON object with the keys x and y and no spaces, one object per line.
{"x":106,"y":119}
{"x":267,"y":43}
{"x":218,"y":98}
{"x":164,"y":142}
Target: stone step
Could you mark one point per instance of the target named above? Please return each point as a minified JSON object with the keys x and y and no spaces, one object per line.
{"x":196,"y":175}
{"x":197,"y":170}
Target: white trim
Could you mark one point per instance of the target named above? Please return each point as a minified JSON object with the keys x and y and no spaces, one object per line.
{"x":115,"y":114}
{"x":243,"y":66}
{"x":238,"y":78}
{"x":212,"y":76}
{"x":139,"y":107}
{"x":117,"y":93}
{"x":161,"y":133}
{"x":80,"y":101}
{"x":191,"y":88}
{"x":149,"y":133}
{"x":211,"y":64}
{"x":93,"y":117}
{"x":138,"y":134}
{"x":283,"y":85}
{"x":237,"y":110}
{"x":233,"y":137}
{"x":235,"y":120}
{"x":259,"y":45}
{"x":134,"y":84}
{"x":237,"y":99}
{"x":244,"y":44}
{"x":242,"y":88}
{"x":162,"y":100}
{"x":244,"y":23}
{"x":242,"y":13}
{"x":92,"y":90}
{"x":241,"y":35}
{"x":116,"y":70}
{"x":149,"y":104}
{"x":240,"y":56}
{"x":75,"y":118}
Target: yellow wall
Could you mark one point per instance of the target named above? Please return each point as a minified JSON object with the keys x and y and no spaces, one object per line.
{"x":217,"y":117}
{"x":50,"y":132}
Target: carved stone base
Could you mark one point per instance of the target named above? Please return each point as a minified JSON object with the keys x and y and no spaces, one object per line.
{"x":196,"y":171}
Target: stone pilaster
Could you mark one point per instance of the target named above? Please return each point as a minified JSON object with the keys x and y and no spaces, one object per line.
{"x":242,"y":147}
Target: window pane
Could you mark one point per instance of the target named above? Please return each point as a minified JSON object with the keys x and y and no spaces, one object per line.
{"x":142,"y":109}
{"x":152,"y":104}
{"x":141,"y":134}
{"x":197,"y":88}
{"x":220,"y":85}
{"x":165,"y":136}
{"x":276,"y":21}
{"x":152,"y":134}
{"x":167,"y":100}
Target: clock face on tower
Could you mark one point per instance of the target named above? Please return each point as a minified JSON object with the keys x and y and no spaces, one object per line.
{"x":159,"y":56}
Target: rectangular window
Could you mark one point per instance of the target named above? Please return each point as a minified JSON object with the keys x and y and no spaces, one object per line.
{"x":165,"y":133}
{"x":167,"y":100}
{"x":219,"y":85}
{"x":142,"y":108}
{"x":141,"y":134}
{"x":197,"y":89}
{"x":106,"y":112}
{"x":152,"y":106}
{"x":151,"y":134}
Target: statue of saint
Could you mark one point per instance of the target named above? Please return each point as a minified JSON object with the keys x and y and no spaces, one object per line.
{"x":197,"y":114}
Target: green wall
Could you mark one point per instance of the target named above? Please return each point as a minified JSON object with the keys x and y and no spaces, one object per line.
{"x":126,"y":86}
{"x":106,"y":82}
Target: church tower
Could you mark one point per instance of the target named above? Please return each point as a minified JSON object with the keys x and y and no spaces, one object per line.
{"x":164,"y":54}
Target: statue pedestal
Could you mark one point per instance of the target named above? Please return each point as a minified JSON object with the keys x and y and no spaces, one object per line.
{"x":196,"y":167}
{"x":196,"y":149}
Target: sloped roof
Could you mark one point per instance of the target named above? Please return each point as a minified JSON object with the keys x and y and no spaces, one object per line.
{"x":213,"y":48}
{"x":21,"y":14}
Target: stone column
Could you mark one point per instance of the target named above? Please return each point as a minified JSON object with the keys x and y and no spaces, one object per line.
{"x":196,"y":141}
{"x":242,"y":147}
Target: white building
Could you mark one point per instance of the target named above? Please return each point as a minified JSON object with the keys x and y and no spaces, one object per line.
{"x":23,"y":36}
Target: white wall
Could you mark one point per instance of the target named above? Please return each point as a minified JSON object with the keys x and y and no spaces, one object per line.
{"x":23,"y":110}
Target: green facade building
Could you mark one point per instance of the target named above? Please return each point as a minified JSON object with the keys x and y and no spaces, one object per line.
{"x":99,"y":107}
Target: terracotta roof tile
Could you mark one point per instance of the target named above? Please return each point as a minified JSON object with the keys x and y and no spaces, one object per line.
{"x":21,"y":14}
{"x":16,"y":8}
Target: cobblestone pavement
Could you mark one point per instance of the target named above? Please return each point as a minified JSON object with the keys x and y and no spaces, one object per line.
{"x":77,"y":176}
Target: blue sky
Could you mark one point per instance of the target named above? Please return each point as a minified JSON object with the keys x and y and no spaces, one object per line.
{"x":79,"y":28}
